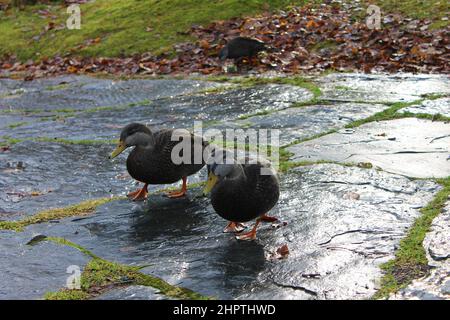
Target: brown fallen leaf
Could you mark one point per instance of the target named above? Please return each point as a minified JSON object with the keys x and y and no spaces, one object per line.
{"x":283,"y":251}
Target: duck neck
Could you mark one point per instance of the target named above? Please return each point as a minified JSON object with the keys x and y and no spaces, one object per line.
{"x":237,"y":174}
{"x":145,"y":141}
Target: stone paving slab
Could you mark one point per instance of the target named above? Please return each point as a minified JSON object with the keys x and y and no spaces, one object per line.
{"x":178,"y":112}
{"x":381,"y":88}
{"x":342,"y":222}
{"x":412,"y":147}
{"x":74,"y":92}
{"x":28,"y":272}
{"x":435,"y":286}
{"x":304,"y":122}
{"x":438,"y":106}
{"x":133,"y":293}
{"x":335,"y":245}
{"x":72,"y":173}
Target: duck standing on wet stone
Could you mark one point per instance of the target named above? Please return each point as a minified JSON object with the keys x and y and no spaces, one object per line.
{"x":240,"y":48}
{"x":243,"y":192}
{"x":150,"y":162}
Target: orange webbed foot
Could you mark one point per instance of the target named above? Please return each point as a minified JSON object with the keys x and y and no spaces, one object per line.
{"x":251,"y":235}
{"x":267,"y":218}
{"x":139,"y":195}
{"x":176,"y":194}
{"x":234,"y":227}
{"x":181,"y":193}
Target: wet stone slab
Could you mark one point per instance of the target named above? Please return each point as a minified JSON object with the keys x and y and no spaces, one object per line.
{"x":438,"y":106}
{"x":178,"y":112}
{"x":381,"y":88}
{"x":62,"y":175}
{"x":304,"y":122}
{"x":435,"y":286}
{"x":28,"y":272}
{"x":82,"y":92}
{"x":412,"y":147}
{"x":133,"y":293}
{"x":335,"y":245}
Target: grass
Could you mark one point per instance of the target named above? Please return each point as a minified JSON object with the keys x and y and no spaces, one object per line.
{"x":410,"y":260}
{"x":126,"y":27}
{"x":434,"y":10}
{"x":81,"y":209}
{"x":122,"y":27}
{"x":393,"y":112}
{"x":8,"y":141}
{"x":387,"y":114}
{"x":17,"y":124}
{"x":100,"y":275}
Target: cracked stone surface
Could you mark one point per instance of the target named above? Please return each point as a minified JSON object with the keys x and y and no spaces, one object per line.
{"x":335,"y":245}
{"x":28,"y":272}
{"x":382,"y":88}
{"x":435,"y":286}
{"x":133,"y":293}
{"x":341,"y":222}
{"x":438,"y":106}
{"x":303,"y":122}
{"x":411,"y":147}
{"x":82,"y":92}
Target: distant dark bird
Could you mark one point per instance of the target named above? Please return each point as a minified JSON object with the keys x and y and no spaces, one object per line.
{"x":243,"y":192}
{"x":241,"y":47}
{"x":151,"y":161}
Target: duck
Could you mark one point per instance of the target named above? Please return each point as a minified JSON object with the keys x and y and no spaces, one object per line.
{"x":241,"y":47}
{"x":241,"y":192}
{"x":150,"y":161}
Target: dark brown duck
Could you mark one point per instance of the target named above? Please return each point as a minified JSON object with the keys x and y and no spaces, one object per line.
{"x":150,"y":162}
{"x":240,"y":193}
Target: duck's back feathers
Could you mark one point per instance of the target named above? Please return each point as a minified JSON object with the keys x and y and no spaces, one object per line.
{"x":248,"y":196}
{"x":154,"y":165}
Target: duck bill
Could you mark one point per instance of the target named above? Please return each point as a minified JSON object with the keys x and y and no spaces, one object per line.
{"x":212,"y":180}
{"x":120,"y":147}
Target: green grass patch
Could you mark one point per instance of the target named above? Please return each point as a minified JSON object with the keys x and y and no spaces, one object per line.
{"x":100,"y":275}
{"x":84,"y":208}
{"x":8,"y":141}
{"x":434,"y":10}
{"x":57,"y":87}
{"x":388,"y":114}
{"x":17,"y":124}
{"x":123,"y":27}
{"x":410,"y":260}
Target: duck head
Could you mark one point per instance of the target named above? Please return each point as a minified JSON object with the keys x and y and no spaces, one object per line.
{"x":134,"y":134}
{"x":220,"y":172}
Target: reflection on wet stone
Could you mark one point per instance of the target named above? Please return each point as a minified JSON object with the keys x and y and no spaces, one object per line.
{"x":341,"y":241}
{"x":339,"y":223}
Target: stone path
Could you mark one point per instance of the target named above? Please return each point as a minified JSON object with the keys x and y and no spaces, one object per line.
{"x":341,"y":222}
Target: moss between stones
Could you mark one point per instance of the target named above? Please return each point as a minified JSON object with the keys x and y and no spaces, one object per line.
{"x":410,"y":260}
{"x":100,"y":275}
{"x":84,"y":208}
{"x":8,"y":141}
{"x":17,"y":124}
{"x":393,"y":112}
{"x":81,"y":209}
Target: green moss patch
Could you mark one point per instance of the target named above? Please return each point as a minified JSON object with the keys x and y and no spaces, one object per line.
{"x":81,"y":209}
{"x":8,"y":141}
{"x":410,"y":260}
{"x":100,"y":275}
